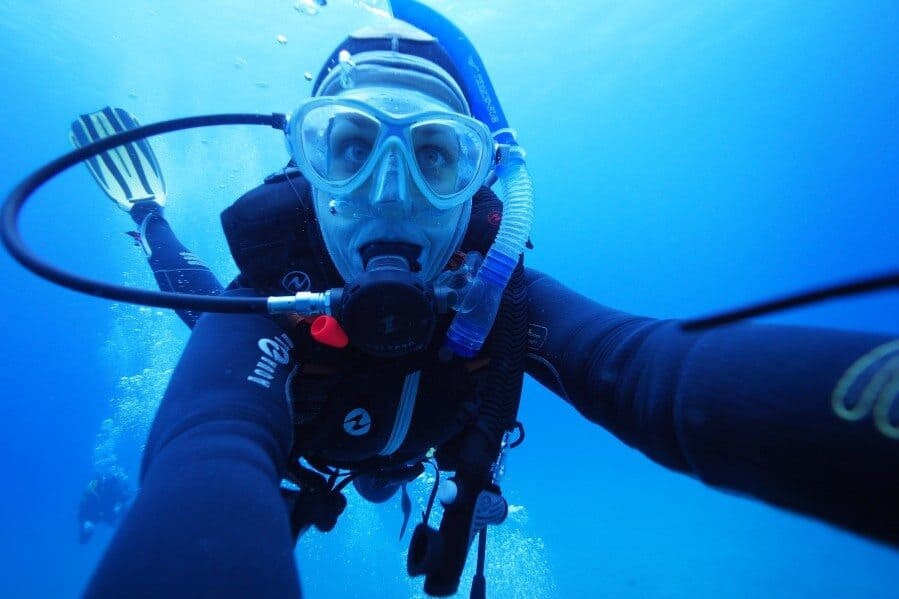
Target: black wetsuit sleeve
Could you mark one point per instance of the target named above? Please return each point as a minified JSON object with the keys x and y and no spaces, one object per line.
{"x":175,"y":268}
{"x":209,"y":519}
{"x":803,"y":418}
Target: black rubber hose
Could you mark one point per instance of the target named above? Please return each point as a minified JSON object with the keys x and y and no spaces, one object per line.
{"x":12,"y":208}
{"x":501,"y":392}
{"x":507,"y":359}
{"x":856,"y":287}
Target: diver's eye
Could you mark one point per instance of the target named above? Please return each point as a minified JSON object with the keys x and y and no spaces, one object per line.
{"x":354,"y":152}
{"x":431,"y":157}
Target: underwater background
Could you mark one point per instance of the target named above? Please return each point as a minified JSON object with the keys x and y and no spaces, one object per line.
{"x":687,"y":156}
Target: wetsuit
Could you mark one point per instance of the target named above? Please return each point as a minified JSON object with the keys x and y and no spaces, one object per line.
{"x":174,"y":267}
{"x":800,"y":417}
{"x":804,"y":418}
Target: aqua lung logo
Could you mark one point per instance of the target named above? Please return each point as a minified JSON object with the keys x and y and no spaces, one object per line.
{"x":296,"y":281}
{"x":357,"y":422}
{"x":481,"y":84}
{"x":275,"y":353}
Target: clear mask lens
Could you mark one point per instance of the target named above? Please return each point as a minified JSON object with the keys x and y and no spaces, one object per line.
{"x":339,"y":144}
{"x":448,"y":154}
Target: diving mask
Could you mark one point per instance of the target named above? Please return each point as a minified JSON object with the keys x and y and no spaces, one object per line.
{"x":337,"y":142}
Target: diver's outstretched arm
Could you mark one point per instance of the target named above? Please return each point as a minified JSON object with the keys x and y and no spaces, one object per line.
{"x":803,"y":418}
{"x":131,"y":177}
{"x":209,"y":519}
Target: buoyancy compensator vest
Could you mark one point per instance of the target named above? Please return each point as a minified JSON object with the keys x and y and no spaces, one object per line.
{"x":275,"y":241}
{"x":274,"y":237}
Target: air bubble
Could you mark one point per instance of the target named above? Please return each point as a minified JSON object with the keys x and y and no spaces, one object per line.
{"x":306,"y":7}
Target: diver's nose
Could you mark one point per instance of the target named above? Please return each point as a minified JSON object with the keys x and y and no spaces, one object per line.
{"x":389,"y":194}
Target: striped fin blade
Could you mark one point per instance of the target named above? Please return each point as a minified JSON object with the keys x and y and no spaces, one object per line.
{"x":129,"y":173}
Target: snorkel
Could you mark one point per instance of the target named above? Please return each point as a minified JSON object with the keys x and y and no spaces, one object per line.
{"x":477,"y":311}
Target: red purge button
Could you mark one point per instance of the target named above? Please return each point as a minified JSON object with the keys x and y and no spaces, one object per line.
{"x":326,"y":330}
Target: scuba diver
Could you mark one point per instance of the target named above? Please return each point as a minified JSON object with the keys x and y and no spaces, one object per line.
{"x":104,"y":500}
{"x":386,"y":202}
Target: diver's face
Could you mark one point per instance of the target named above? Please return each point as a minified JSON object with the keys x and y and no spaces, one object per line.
{"x":388,"y":206}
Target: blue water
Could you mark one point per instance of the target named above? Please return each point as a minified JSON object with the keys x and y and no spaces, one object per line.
{"x":687,"y":156}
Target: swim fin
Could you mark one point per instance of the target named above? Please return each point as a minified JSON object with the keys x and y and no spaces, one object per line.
{"x":127,"y":174}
